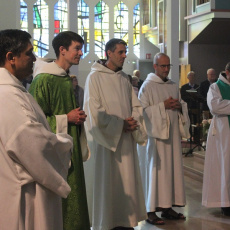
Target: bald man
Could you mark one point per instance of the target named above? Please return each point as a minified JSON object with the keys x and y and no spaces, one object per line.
{"x":204,"y":86}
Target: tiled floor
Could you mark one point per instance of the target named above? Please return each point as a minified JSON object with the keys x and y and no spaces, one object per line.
{"x":198,"y":217}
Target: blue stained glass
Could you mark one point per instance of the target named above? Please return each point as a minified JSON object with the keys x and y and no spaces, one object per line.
{"x":83,"y":25}
{"x":136,"y":30}
{"x":23,"y":15}
{"x":60,"y":17}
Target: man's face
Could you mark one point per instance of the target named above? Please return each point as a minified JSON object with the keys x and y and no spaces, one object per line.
{"x":117,"y":58}
{"x":137,"y":74}
{"x":211,"y":75}
{"x":191,"y":78}
{"x":74,"y":53}
{"x":23,"y":64}
{"x":75,"y":82}
{"x":162,"y":67}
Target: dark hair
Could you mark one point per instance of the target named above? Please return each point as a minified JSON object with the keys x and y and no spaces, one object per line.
{"x":111,"y":45}
{"x":65,"y":39}
{"x":223,"y":74}
{"x":12,"y":40}
{"x":227,"y":67}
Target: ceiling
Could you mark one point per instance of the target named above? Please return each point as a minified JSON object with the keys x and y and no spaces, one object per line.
{"x":217,"y":32}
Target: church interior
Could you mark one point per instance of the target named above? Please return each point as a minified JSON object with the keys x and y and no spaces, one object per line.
{"x":193,"y":33}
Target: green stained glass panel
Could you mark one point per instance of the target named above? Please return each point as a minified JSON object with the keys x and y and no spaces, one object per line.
{"x":101,"y":28}
{"x":41,"y":28}
{"x":83,"y":25}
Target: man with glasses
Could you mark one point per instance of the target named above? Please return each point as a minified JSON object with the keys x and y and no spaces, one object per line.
{"x":161,"y":160}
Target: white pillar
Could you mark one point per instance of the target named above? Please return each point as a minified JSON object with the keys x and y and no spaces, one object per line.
{"x":172,"y":12}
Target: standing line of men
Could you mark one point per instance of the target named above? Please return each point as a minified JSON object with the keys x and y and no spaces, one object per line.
{"x":114,"y":127}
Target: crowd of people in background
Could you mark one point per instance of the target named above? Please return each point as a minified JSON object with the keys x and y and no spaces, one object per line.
{"x":132,"y":129}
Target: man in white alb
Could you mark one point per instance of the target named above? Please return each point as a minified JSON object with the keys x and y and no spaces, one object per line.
{"x":113,"y":126}
{"x":161,"y":160}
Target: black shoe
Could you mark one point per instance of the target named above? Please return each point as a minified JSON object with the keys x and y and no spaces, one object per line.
{"x":123,"y":228}
{"x":171,"y":214}
{"x":225,"y":211}
{"x":154,"y":219}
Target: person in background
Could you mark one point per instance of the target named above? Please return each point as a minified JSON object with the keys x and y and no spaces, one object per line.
{"x":192,"y":103}
{"x":204,"y":87}
{"x":52,"y":88}
{"x":191,"y":85}
{"x":114,"y":127}
{"x":34,"y":160}
{"x":130,"y":78}
{"x":138,"y":74}
{"x":216,"y":183}
{"x":161,"y":160}
{"x":135,"y":80}
{"x":78,"y":91}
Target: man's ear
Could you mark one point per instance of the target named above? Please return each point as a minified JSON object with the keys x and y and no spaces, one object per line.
{"x":109,"y":53}
{"x":10,"y":57}
{"x":62,"y":50}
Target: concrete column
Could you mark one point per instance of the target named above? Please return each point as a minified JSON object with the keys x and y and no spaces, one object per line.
{"x":172,"y":13}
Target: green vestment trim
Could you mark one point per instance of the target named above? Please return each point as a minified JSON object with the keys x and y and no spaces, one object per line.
{"x":225,"y":92}
{"x":56,"y":97}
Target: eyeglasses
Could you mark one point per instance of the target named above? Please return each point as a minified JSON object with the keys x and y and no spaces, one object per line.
{"x":164,"y":66}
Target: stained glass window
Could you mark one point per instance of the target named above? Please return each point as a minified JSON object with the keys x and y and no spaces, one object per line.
{"x":60,"y":17}
{"x":41,"y":28}
{"x":136,"y":30}
{"x":101,"y":28}
{"x":83,"y":25}
{"x":121,"y":17}
{"x":23,"y":15}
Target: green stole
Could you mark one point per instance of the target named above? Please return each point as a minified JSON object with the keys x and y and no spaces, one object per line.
{"x":225,"y":92}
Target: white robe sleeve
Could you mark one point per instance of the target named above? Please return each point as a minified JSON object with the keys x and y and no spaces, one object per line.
{"x":156,"y":118}
{"x":42,"y":155}
{"x":216,"y":104}
{"x":61,"y":123}
{"x":184,"y":121}
{"x":139,"y":135}
{"x":105,"y":129}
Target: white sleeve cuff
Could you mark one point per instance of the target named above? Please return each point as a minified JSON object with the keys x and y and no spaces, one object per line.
{"x":61,"y":123}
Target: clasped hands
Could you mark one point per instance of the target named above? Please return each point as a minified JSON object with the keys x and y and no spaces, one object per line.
{"x":172,"y":104}
{"x":76,"y":116}
{"x":130,"y":125}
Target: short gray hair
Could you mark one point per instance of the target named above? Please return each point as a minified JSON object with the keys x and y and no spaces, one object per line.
{"x":191,"y":72}
{"x":157,"y":56}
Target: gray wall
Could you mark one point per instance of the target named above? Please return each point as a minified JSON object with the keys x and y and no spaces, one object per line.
{"x":8,"y":17}
{"x":203,"y":57}
{"x":222,"y":4}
